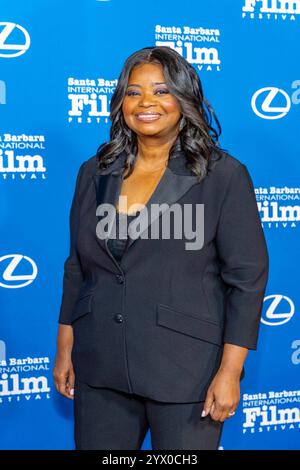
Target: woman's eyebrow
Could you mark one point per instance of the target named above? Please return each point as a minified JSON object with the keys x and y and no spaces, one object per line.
{"x":153,"y":83}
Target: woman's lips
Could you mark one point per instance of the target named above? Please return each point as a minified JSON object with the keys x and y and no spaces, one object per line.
{"x":147,"y":117}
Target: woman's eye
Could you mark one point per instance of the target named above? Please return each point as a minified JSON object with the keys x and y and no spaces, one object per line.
{"x":163,"y":91}
{"x":131,"y":93}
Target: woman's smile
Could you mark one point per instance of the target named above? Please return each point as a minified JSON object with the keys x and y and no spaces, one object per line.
{"x":147,"y":117}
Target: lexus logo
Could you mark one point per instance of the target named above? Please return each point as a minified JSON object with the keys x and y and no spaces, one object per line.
{"x":262,"y":103}
{"x":17,"y":263}
{"x":279,"y":310}
{"x":10,"y":35}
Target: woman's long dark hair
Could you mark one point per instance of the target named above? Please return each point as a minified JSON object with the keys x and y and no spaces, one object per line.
{"x":197,"y":136}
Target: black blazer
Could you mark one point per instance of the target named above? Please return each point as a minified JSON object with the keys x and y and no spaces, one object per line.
{"x":155,"y":324}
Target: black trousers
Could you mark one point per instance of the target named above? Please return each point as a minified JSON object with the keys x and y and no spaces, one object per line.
{"x":107,"y":419}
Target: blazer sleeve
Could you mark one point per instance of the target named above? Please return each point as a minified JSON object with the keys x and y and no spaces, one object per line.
{"x":73,"y":275}
{"x":244,"y":260}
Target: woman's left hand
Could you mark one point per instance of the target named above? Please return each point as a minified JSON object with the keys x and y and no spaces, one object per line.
{"x":223,"y":395}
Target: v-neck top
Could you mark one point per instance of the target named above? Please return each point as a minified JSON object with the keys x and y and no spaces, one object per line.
{"x":117,"y":245}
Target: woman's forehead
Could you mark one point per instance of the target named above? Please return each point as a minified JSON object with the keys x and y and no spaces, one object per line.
{"x":145,"y":69}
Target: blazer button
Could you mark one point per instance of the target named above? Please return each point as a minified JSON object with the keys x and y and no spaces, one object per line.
{"x":120,"y":278}
{"x":119,"y":318}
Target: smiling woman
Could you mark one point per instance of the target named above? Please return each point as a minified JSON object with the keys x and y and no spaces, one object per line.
{"x":154,"y":333}
{"x":151,"y":112}
{"x":160,"y":82}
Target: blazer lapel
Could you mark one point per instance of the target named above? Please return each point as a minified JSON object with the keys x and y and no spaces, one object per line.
{"x":175,"y":182}
{"x":170,"y":189}
{"x":108,"y":187}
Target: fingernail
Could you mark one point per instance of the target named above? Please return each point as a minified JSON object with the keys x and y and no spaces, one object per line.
{"x":72,"y":391}
{"x":203,"y":413}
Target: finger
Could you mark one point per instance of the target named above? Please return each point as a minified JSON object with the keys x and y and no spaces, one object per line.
{"x":62,"y":390}
{"x":70,"y":384}
{"x":230,"y":413}
{"x":225,"y":413}
{"x":62,"y":387}
{"x":217,"y":411}
{"x":207,"y":404}
{"x":213,"y":412}
{"x":59,"y":382}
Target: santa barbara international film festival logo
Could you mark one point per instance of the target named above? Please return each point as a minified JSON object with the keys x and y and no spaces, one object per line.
{"x":23,"y":378}
{"x":198,"y":45}
{"x":22,"y":156}
{"x":89,"y":99}
{"x":278,"y":206}
{"x":271,"y":411}
{"x":285,"y":10}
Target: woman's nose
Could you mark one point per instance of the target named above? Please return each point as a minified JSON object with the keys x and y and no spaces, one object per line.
{"x":146,"y":99}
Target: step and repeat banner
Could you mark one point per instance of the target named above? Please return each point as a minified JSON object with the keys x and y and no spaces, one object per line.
{"x":59,"y":65}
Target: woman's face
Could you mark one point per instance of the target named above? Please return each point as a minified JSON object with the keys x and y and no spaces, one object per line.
{"x":148,"y":107}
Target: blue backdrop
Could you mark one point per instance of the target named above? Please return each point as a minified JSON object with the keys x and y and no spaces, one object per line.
{"x":59,"y":62}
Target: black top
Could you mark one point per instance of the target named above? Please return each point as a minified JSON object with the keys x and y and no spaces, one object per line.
{"x":117,"y":246}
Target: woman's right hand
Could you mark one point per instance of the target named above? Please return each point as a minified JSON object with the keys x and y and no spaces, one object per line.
{"x":63,"y":372}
